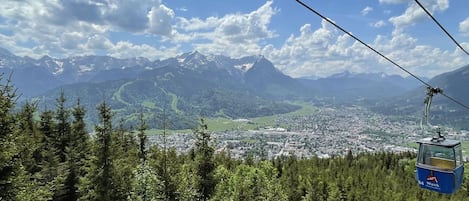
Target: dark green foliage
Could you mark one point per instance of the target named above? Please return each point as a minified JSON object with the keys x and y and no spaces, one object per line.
{"x":204,"y":161}
{"x":113,"y":165}
{"x":50,"y":164}
{"x":9,"y":161}
{"x":234,"y":104}
{"x":165,"y":163}
{"x":29,"y":136}
{"x":124,"y":157}
{"x":142,"y":138}
{"x":77,"y":153}
{"x":62,"y":117}
{"x":100,"y":176}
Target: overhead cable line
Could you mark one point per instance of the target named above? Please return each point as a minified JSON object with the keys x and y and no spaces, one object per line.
{"x":363,"y":43}
{"x":441,"y":27}
{"x":377,"y":52}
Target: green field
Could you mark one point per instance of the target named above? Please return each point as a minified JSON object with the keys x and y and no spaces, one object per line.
{"x":174,"y":102}
{"x":226,"y":124}
{"x":168,"y":132}
{"x":117,"y":95}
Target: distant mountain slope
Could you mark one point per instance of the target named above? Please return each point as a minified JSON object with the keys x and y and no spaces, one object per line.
{"x":194,"y":84}
{"x":350,"y":86}
{"x":454,"y":84}
{"x":252,"y":73}
{"x":444,"y":111}
{"x":31,"y":80}
{"x":181,"y":90}
{"x":265,"y":79}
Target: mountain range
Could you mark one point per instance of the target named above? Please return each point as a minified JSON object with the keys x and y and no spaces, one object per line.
{"x":194,"y":84}
{"x":448,"y":109}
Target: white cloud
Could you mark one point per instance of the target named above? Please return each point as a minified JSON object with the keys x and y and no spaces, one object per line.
{"x":125,"y":49}
{"x":98,"y":42}
{"x":233,"y":34}
{"x":183,"y":9}
{"x":197,"y":24}
{"x":160,"y":20}
{"x":64,"y":28}
{"x":414,"y":13}
{"x":366,"y":10}
{"x":319,"y":52}
{"x":378,"y":24}
{"x":464,"y":27}
{"x":325,"y":51}
{"x":394,"y":1}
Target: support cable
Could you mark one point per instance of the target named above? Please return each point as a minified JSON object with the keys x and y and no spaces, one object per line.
{"x":441,"y":27}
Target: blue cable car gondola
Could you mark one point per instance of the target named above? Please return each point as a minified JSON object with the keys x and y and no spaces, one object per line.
{"x":439,"y":165}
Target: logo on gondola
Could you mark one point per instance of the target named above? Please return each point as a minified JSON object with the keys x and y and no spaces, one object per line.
{"x":432,"y":182}
{"x":432,"y":179}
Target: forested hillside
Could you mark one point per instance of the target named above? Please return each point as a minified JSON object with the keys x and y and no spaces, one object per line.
{"x":53,"y":157}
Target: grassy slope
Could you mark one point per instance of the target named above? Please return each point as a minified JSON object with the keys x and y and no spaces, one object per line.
{"x":226,"y":124}
{"x":174,"y":102}
{"x":117,"y":94}
{"x":223,"y":124}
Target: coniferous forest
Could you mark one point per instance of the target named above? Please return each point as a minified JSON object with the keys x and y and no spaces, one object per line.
{"x":50,"y":155}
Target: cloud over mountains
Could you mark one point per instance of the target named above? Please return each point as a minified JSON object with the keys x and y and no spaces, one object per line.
{"x":295,"y":40}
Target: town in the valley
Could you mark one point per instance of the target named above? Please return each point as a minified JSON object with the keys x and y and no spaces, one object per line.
{"x":331,"y":131}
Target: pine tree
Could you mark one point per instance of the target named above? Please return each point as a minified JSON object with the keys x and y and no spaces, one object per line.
{"x":125,"y":161}
{"x":146,"y":187}
{"x":29,"y":138}
{"x":77,"y":153}
{"x":62,"y":117}
{"x":9,"y":154}
{"x":166,"y":167}
{"x":101,"y":178}
{"x":187,"y":183}
{"x":16,"y":180}
{"x":164,"y":161}
{"x":204,"y":161}
{"x":50,"y":164}
{"x":142,"y":137}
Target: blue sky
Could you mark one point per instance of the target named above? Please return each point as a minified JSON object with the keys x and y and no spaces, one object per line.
{"x":298,"y":42}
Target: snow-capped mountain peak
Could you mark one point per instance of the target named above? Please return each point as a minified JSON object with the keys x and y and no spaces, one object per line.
{"x":192,"y":59}
{"x":244,"y":67}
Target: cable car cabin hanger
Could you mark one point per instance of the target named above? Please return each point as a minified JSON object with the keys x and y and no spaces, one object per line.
{"x":439,"y":164}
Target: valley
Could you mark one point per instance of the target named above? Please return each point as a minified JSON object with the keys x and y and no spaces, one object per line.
{"x":222,"y":89}
{"x":311,"y":131}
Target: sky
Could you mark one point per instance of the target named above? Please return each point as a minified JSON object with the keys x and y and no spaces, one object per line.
{"x":296,"y":41}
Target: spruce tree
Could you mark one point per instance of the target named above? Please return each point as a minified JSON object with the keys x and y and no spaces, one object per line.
{"x":49,"y":166}
{"x":142,"y":138}
{"x":62,"y":117}
{"x":204,"y":161}
{"x":102,"y":176}
{"x":9,"y":154}
{"x":77,"y":153}
{"x":29,"y":138}
{"x":16,"y":182}
{"x":125,"y":160}
{"x":146,"y":185}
